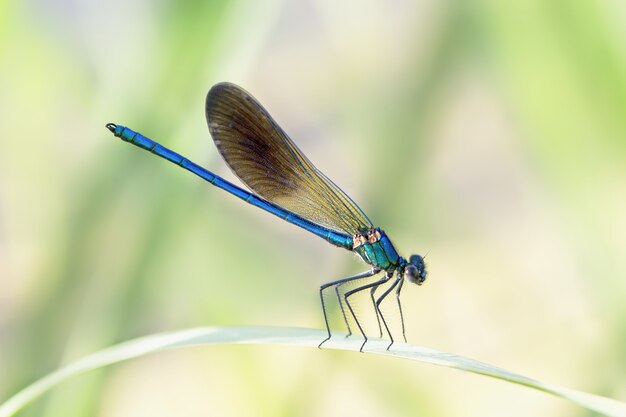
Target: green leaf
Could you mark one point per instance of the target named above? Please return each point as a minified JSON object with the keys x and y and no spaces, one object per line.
{"x":296,"y":337}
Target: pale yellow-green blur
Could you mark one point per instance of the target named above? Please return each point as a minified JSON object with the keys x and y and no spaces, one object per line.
{"x":489,"y":136}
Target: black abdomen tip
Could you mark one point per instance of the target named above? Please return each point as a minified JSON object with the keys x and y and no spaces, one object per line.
{"x":111,"y":127}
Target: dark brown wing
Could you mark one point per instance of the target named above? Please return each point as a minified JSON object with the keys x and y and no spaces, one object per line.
{"x":261,"y":154}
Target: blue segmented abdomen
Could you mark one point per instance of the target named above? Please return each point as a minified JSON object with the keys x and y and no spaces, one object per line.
{"x":333,"y":237}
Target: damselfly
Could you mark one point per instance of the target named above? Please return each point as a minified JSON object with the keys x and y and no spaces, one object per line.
{"x":285,"y":183}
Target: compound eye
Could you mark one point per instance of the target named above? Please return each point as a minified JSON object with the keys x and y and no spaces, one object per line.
{"x":411,"y":273}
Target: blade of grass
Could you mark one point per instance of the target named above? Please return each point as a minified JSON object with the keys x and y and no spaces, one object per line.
{"x":296,"y":337}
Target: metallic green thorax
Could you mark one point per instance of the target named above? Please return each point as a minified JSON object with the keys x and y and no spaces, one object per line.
{"x":379,"y":252}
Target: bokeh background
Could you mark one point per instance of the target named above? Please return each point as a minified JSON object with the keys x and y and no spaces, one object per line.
{"x":490,"y":135}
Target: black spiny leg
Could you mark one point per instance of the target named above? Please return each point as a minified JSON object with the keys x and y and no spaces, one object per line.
{"x":380,"y":300}
{"x":338,"y":282}
{"x":343,"y":310}
{"x":354,"y":291}
{"x":380,"y":329}
{"x":400,"y":307}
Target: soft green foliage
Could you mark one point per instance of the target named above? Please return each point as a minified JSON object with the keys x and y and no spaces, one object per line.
{"x":488,"y":135}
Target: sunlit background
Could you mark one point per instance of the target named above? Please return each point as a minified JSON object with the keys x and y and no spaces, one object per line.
{"x":489,"y":135}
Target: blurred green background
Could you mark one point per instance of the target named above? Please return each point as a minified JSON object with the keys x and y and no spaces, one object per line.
{"x":490,"y":135}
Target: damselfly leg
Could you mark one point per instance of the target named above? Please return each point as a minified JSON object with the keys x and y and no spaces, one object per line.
{"x":400,"y":307}
{"x":343,"y":310}
{"x":384,"y":279}
{"x":380,"y":329}
{"x":362,"y":275}
{"x":378,"y":302}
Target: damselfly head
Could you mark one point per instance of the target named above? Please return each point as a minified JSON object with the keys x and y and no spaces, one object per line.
{"x":415,"y":270}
